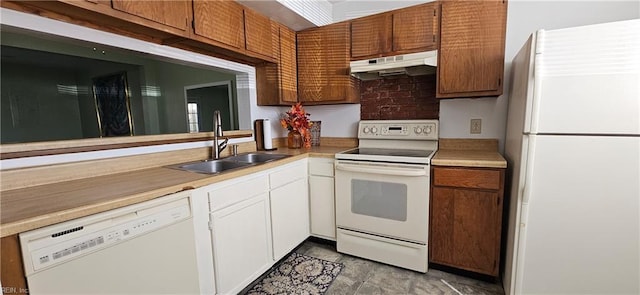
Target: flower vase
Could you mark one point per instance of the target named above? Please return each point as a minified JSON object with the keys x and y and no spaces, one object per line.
{"x":294,"y":139}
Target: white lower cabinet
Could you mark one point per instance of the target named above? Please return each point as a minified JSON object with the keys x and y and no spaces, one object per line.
{"x":241,"y":243}
{"x":256,"y":220}
{"x":289,"y":207}
{"x":240,"y":224}
{"x":289,"y":217}
{"x":322,"y":198}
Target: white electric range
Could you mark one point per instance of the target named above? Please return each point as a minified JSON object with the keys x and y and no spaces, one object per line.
{"x":382,"y":192}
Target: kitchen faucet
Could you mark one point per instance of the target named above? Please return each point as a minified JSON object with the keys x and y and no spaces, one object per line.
{"x":217,"y":147}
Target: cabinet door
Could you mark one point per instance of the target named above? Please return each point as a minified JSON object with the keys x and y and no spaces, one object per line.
{"x":258,"y":32}
{"x":289,"y":217}
{"x":465,"y":229}
{"x":241,"y":243}
{"x":415,"y":28}
{"x":287,"y":65}
{"x":268,"y":74}
{"x":322,"y":205}
{"x":323,"y":66}
{"x":219,"y":20}
{"x":312,"y":77}
{"x":371,"y":36}
{"x":471,"y":56}
{"x":170,"y":13}
{"x":12,"y":270}
{"x":277,"y":84}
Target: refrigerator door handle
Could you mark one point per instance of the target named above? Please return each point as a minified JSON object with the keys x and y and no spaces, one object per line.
{"x":528,"y":171}
{"x":525,"y":194}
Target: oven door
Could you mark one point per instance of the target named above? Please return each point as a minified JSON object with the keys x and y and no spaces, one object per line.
{"x":385,"y":199}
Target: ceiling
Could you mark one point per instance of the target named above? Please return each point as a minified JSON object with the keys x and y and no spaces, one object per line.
{"x":299,"y":15}
{"x":280,"y":13}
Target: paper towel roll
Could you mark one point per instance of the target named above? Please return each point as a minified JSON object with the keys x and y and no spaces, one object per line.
{"x":266,"y":132}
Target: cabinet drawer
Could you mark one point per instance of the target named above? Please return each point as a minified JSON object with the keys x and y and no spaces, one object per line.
{"x":468,"y":178}
{"x":238,"y":191}
{"x":321,"y":167}
{"x":287,"y":175}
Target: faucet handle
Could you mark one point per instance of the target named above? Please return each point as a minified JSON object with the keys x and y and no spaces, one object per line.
{"x":223,"y":145}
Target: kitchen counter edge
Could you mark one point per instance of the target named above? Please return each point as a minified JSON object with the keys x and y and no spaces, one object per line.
{"x":469,"y":158}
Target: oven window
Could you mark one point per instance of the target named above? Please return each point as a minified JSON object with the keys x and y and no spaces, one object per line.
{"x":379,"y":199}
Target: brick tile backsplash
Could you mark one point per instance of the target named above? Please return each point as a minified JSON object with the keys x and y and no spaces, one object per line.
{"x":399,"y":98}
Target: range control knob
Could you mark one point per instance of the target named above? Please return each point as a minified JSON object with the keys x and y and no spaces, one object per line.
{"x":417,"y":130}
{"x":427,"y":129}
{"x":365,"y":129}
{"x":374,"y":130}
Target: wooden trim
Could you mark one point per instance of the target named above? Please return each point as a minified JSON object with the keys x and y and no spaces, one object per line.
{"x":11,"y":271}
{"x":95,"y":16}
{"x":14,"y":151}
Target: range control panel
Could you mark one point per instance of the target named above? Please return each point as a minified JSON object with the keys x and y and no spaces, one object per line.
{"x":398,"y":129}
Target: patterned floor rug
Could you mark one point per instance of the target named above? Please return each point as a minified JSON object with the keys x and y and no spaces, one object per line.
{"x":298,"y":274}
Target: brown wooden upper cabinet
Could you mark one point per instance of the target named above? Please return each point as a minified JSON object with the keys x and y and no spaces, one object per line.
{"x":371,"y":36}
{"x":174,"y":14}
{"x":323,"y":66}
{"x":471,"y":55}
{"x":288,"y":65}
{"x":415,"y":28}
{"x":407,"y":30}
{"x":258,"y":32}
{"x":276,"y":83}
{"x":221,"y":21}
{"x":234,"y":25}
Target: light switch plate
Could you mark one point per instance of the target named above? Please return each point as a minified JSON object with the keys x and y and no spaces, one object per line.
{"x":476,"y":126}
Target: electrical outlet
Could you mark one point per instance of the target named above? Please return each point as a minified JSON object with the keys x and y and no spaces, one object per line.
{"x":476,"y":126}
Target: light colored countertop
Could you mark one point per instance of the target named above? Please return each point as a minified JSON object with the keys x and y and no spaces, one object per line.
{"x":469,"y":153}
{"x":38,"y":206}
{"x":469,"y":158}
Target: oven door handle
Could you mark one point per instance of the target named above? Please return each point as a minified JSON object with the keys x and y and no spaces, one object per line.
{"x":383,"y":171}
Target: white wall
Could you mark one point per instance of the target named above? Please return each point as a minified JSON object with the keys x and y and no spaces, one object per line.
{"x":337,"y":120}
{"x":523,"y":18}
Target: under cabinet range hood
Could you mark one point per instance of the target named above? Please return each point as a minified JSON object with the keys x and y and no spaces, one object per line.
{"x":412,"y":64}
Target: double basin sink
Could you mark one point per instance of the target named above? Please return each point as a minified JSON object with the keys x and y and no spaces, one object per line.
{"x":228,"y":163}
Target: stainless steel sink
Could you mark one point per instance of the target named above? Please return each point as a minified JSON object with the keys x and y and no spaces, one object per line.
{"x":211,"y":166}
{"x":256,"y":158}
{"x":228,"y":163}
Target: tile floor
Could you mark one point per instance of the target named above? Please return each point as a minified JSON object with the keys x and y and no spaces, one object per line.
{"x":361,"y":276}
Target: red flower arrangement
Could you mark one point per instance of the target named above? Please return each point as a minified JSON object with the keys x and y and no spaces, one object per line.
{"x":297,"y":119}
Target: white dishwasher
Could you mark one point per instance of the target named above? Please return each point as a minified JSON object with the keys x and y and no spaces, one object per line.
{"x":146,"y":248}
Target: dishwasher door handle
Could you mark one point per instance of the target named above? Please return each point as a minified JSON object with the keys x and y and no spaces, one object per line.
{"x":382,"y":170}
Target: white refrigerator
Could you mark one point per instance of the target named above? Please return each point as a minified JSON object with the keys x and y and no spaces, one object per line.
{"x":573,"y":148}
